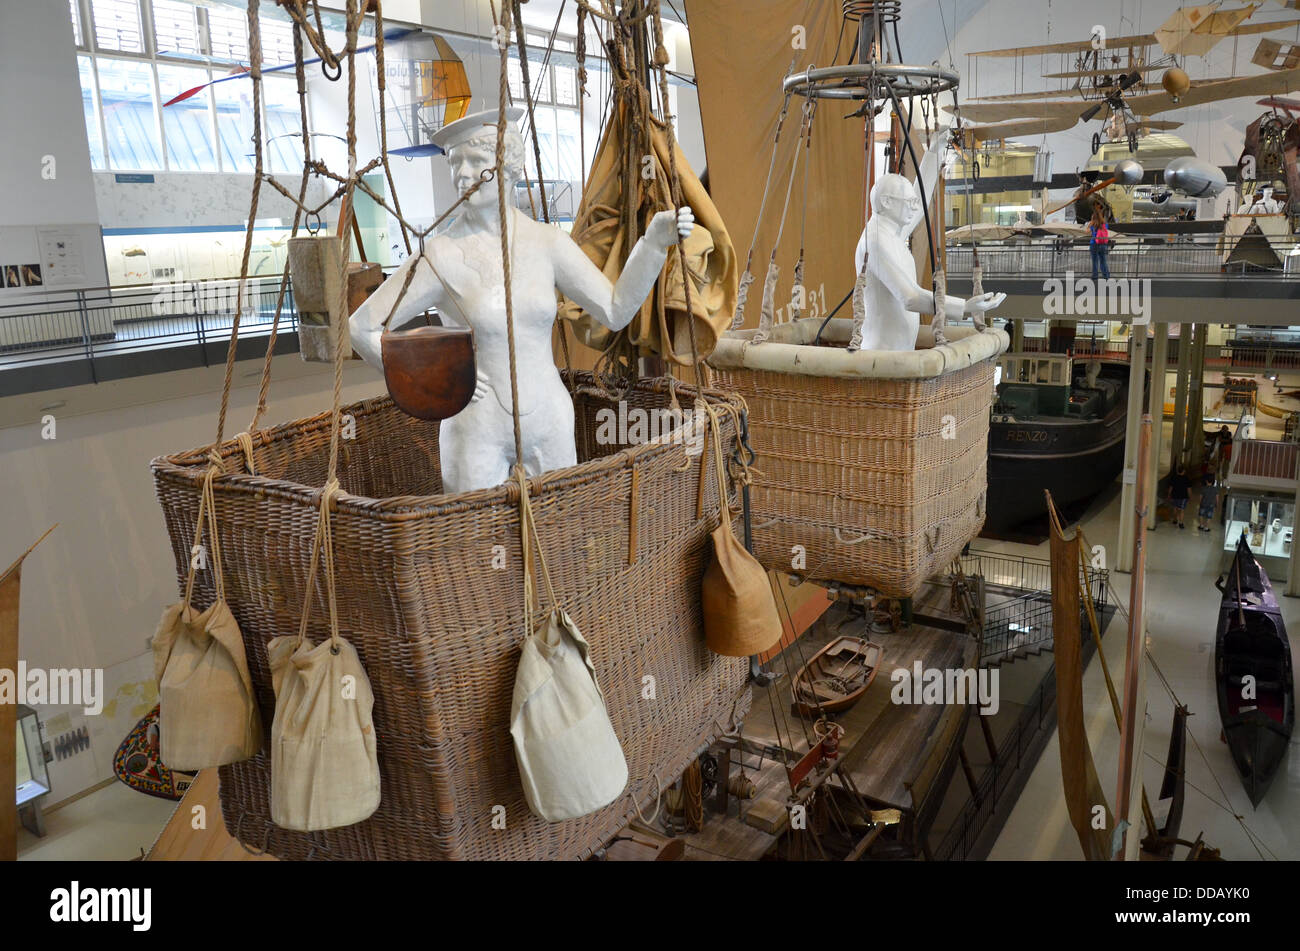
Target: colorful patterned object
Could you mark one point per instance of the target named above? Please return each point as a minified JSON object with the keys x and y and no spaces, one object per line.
{"x":136,"y":762}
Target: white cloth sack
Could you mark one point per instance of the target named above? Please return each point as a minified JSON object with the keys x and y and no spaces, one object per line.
{"x":208,"y":716}
{"x":324,"y":766}
{"x":570,"y":760}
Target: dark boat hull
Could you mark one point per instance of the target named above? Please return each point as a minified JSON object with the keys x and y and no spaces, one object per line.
{"x":1252,"y":642}
{"x":1073,"y":459}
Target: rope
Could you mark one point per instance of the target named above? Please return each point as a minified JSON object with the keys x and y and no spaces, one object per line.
{"x":676,"y":186}
{"x":207,"y":505}
{"x":383,"y":122}
{"x":255,"y":69}
{"x":265,"y":385}
{"x":503,"y":93}
{"x":528,"y":101}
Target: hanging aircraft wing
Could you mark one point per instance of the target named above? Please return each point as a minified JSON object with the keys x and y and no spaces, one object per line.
{"x":1008,"y":130}
{"x":1279,"y":81}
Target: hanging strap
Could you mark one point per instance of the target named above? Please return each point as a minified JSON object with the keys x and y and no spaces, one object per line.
{"x":528,"y":531}
{"x":208,"y":508}
{"x":324,"y":540}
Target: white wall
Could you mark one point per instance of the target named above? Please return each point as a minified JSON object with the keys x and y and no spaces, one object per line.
{"x":193,"y":199}
{"x":40,"y":115}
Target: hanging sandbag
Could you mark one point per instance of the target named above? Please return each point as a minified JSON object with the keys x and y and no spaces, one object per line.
{"x":570,"y":760}
{"x":602,"y":232}
{"x":740,"y":616}
{"x":324,"y":761}
{"x":209,"y":716}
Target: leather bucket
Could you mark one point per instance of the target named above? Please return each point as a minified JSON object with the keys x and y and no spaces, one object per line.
{"x":429,"y":371}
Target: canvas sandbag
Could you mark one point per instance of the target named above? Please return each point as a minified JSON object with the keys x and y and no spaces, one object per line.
{"x":570,"y":760}
{"x":324,"y":759}
{"x":740,"y":616}
{"x":208,"y":716}
{"x":324,"y":764}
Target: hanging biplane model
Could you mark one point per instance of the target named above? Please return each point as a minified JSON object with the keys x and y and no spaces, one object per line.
{"x":1110,"y":78}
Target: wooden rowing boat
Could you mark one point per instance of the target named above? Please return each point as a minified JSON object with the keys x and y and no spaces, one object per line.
{"x":1256,"y":685}
{"x":836,"y":677}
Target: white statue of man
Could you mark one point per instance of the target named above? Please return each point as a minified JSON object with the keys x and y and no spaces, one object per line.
{"x":894,"y":300}
{"x":476,"y":446}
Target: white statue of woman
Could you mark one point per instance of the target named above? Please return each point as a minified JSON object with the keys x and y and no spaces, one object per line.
{"x":476,"y":446}
{"x":894,"y":301}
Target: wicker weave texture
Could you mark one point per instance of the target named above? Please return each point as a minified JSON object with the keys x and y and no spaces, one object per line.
{"x":882,"y":482}
{"x":438,"y":627}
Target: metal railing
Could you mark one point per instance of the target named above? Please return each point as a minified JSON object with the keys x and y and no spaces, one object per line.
{"x":64,"y":338}
{"x":1008,"y":571}
{"x":959,"y":842}
{"x":117,"y":319}
{"x":1185,"y":260}
{"x":1023,"y":621}
{"x":1247,"y":355}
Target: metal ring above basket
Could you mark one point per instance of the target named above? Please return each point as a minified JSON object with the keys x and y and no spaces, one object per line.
{"x":862,"y":81}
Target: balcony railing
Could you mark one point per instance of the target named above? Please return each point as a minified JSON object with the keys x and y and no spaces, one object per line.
{"x":1183,"y":260}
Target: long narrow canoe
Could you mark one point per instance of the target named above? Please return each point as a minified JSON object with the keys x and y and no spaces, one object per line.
{"x":1256,"y":682}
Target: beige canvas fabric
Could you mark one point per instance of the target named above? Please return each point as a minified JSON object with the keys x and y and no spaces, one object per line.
{"x":208,"y":715}
{"x":600,"y":230}
{"x":790,"y":350}
{"x":742,"y":51}
{"x":324,"y":766}
{"x":570,"y":760}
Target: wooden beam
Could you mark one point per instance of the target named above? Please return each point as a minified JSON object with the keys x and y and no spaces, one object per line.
{"x":10,"y":583}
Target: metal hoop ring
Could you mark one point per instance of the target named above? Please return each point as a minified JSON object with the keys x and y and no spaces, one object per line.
{"x":861,"y":81}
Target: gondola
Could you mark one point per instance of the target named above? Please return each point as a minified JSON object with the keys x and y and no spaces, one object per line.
{"x":1258,"y":715}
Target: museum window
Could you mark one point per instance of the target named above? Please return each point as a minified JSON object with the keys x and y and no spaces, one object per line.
{"x":555,"y":106}
{"x":142,"y":53}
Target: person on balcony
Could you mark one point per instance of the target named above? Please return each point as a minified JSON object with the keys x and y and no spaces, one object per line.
{"x":1100,"y":244}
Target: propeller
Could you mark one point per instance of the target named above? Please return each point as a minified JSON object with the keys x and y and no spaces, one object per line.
{"x":1115,"y":99}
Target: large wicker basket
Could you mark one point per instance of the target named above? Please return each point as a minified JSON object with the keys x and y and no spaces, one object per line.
{"x":872,"y":466}
{"x":438,"y":627}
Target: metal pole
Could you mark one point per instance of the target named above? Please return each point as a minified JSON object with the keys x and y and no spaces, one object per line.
{"x":1131,"y":498}
{"x":1180,"y":394}
{"x":1130,"y":740}
{"x":1156,"y":409}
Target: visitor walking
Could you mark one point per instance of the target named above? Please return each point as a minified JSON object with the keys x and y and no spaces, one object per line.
{"x":1209,"y":503}
{"x":1100,"y":243}
{"x":1180,"y":490}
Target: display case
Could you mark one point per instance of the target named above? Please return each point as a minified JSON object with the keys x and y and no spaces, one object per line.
{"x":1267,"y":519}
{"x":32,"y":776}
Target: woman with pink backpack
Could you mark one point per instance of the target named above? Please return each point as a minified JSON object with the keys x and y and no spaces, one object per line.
{"x":1100,"y":243}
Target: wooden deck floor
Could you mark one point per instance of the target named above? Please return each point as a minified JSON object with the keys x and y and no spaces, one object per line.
{"x":886,"y":746}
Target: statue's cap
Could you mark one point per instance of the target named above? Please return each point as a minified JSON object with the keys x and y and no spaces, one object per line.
{"x":454,"y":133}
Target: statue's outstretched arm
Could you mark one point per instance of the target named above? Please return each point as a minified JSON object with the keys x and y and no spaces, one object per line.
{"x":614,"y":305}
{"x":902,"y":284}
{"x":931,"y":164}
{"x":367,"y":323}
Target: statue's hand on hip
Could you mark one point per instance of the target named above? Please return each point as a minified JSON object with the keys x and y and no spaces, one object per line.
{"x":481,"y":386}
{"x":666,"y":227}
